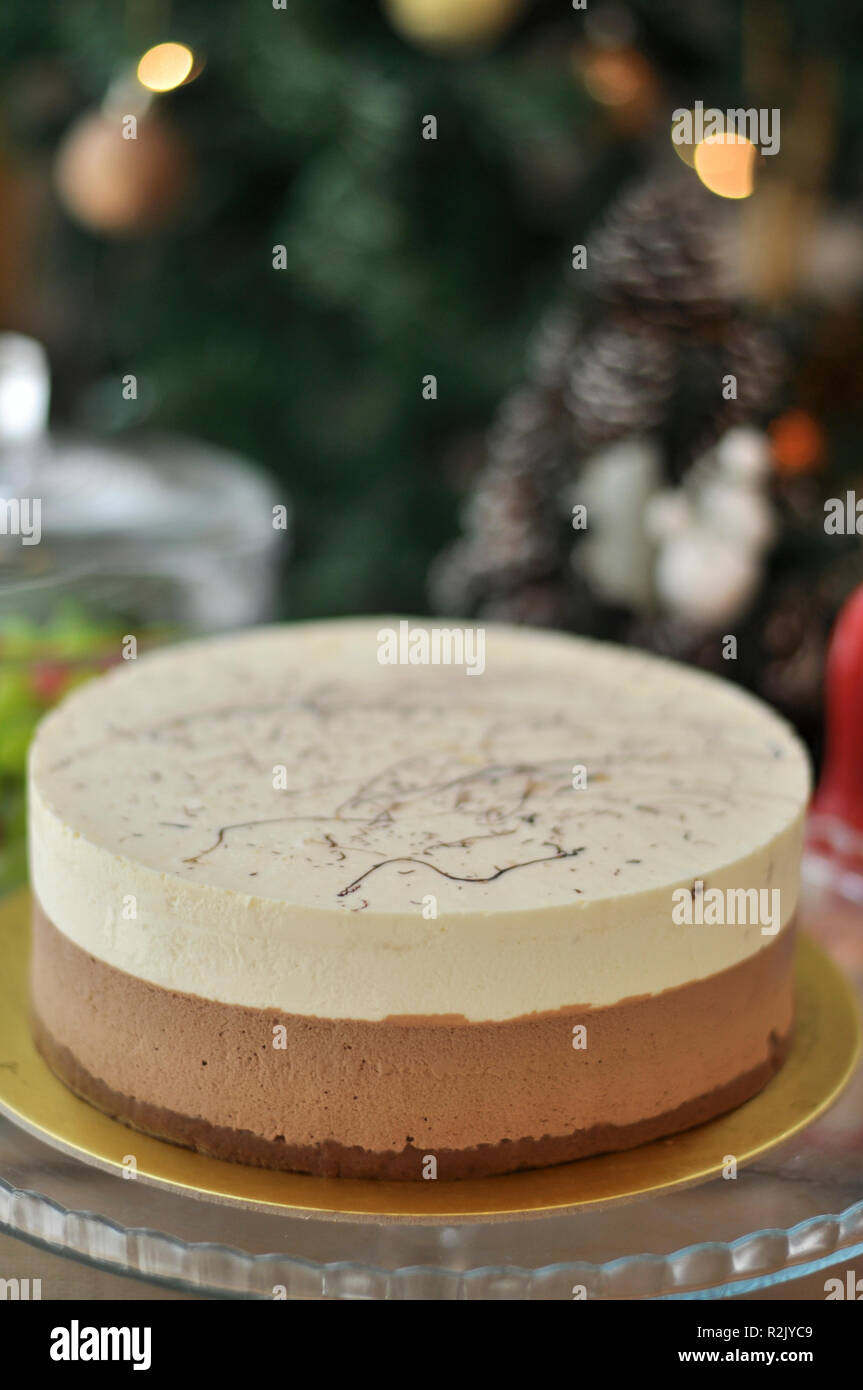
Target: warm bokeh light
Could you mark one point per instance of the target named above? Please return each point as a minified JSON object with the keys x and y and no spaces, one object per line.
{"x":798,"y":443}
{"x":451,"y":23}
{"x":165,"y":66}
{"x":684,"y":150}
{"x":726,"y":164}
{"x":616,"y":76}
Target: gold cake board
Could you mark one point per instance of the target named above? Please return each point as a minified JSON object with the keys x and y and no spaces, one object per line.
{"x":823,"y":1054}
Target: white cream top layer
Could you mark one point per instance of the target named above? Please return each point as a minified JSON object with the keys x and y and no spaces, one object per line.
{"x":274,"y":818}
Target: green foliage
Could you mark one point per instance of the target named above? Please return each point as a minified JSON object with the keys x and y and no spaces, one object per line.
{"x":39,"y":663}
{"x":405,"y":257}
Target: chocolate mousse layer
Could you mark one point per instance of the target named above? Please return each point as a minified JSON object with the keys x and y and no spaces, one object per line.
{"x":349,"y":1098}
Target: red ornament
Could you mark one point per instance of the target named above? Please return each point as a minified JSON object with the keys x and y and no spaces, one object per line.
{"x":836,"y":827}
{"x":48,"y":680}
{"x":798,"y":443}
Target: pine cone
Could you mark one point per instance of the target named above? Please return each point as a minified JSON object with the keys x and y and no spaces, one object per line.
{"x":539,"y":603}
{"x":511,"y":531}
{"x":552,"y":347}
{"x":794,"y":638}
{"x":620,"y":380}
{"x":756,"y":358}
{"x":658,"y":254}
{"x":530,"y":431}
{"x":503,"y":519}
{"x":675,"y":637}
{"x":457,"y":581}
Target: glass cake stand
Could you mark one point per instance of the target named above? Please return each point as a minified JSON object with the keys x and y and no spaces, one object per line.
{"x":794,"y":1211}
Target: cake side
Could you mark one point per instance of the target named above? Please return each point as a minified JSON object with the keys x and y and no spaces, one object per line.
{"x":349,"y":1098}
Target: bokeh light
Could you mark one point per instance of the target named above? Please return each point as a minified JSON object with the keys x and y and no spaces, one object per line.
{"x":798,"y":442}
{"x":166,"y":66}
{"x":725,"y":164}
{"x":616,"y":76}
{"x":684,"y":149}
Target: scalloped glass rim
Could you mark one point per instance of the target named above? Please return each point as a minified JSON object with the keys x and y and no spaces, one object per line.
{"x":706,"y":1269}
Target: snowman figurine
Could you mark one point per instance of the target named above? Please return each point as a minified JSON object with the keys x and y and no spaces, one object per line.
{"x":713,"y":534}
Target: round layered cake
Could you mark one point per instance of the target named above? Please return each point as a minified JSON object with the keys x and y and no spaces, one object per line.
{"x":362,"y":898}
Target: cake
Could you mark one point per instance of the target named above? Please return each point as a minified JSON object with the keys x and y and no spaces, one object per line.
{"x":310,"y":900}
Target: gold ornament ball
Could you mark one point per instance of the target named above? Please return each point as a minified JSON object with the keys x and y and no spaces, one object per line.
{"x":451,"y":23}
{"x":114,"y":185}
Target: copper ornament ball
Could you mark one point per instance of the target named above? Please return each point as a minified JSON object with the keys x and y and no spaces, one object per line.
{"x":115,"y":185}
